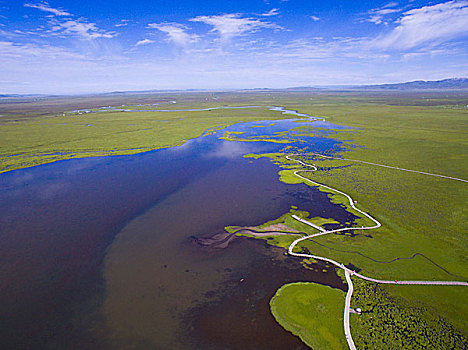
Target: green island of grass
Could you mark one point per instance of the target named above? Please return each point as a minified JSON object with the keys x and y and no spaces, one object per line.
{"x":313,"y":312}
{"x":231,"y":136}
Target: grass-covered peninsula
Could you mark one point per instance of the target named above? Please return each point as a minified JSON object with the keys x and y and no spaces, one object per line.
{"x":313,"y":312}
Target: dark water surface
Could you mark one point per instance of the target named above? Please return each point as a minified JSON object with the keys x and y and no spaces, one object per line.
{"x":95,"y":253}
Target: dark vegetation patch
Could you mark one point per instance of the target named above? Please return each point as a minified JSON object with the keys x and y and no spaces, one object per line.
{"x":388,"y":322}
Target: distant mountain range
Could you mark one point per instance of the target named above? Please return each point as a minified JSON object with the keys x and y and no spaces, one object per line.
{"x":445,"y":84}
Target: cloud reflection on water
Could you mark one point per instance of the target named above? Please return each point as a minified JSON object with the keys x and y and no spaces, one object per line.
{"x":229,"y":149}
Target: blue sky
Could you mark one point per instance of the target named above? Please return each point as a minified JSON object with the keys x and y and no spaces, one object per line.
{"x":64,"y":47}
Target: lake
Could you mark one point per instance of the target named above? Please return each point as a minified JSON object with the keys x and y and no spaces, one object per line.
{"x":99,"y":252}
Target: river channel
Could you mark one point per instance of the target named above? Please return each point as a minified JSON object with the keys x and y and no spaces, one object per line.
{"x":98,"y":253}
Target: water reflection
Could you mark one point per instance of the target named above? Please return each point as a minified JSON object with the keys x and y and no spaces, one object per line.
{"x":229,"y":150}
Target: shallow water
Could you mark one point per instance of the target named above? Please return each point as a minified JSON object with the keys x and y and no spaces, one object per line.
{"x":96,"y":252}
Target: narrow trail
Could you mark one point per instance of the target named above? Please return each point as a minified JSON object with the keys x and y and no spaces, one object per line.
{"x":347,"y":328}
{"x":349,"y":272}
{"x":391,"y":167}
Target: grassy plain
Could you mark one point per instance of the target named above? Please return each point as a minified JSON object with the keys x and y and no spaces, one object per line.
{"x":405,"y":326}
{"x":33,"y":139}
{"x":313,"y":312}
{"x":420,"y":214}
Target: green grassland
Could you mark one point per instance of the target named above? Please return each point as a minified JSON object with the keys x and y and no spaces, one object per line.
{"x":284,"y":241}
{"x":389,"y":320}
{"x":20,"y":108}
{"x":406,"y":326}
{"x":419,"y":214}
{"x":313,"y":312}
{"x":48,"y":138}
{"x":233,"y":136}
{"x":432,"y":139}
{"x":38,"y":130}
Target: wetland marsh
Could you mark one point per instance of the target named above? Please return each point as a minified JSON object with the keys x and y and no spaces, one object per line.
{"x":112,"y":237}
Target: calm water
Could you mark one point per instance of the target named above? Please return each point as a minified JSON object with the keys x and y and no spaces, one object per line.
{"x":96,"y":253}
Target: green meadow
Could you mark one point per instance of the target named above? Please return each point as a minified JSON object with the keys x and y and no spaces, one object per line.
{"x":312,"y":312}
{"x":47,"y":138}
{"x":423,"y":234}
{"x":391,"y":322}
{"x":419,"y":214}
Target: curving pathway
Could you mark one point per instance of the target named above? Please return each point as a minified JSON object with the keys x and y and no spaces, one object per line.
{"x":347,"y":328}
{"x":349,"y":272}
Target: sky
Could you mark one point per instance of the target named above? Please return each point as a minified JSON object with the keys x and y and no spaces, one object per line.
{"x":75,"y":47}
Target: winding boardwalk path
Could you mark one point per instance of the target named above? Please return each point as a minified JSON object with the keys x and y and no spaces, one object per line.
{"x":347,"y":328}
{"x":348,"y":271}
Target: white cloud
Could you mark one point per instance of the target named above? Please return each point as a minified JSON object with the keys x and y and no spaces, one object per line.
{"x":11,"y":50}
{"x":80,"y":28}
{"x":122,"y":23}
{"x":44,"y":6}
{"x":375,"y":19}
{"x":342,"y":50}
{"x":231,"y":25}
{"x":68,"y":26}
{"x":254,"y":61}
{"x":316,"y":62}
{"x":377,"y":15}
{"x":272,"y":12}
{"x":315,"y":18}
{"x":176,"y":33}
{"x":390,"y":4}
{"x":228,"y":150}
{"x":144,"y":42}
{"x":428,"y":52}
{"x":434,"y":24}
